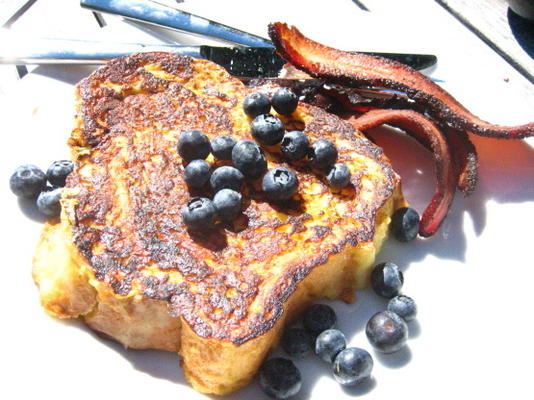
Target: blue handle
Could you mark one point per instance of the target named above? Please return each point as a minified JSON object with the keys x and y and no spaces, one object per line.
{"x":159,"y":14}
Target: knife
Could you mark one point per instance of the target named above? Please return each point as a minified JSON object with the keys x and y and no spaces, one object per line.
{"x":251,"y":62}
{"x":155,"y":13}
{"x":152,"y":12}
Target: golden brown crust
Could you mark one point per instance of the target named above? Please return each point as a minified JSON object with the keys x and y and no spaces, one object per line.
{"x":63,"y":288}
{"x":127,"y":192}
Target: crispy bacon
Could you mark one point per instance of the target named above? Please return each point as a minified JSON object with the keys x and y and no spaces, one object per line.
{"x":424,"y":131}
{"x":465,"y":159}
{"x":353,"y":69}
{"x":462,"y":150}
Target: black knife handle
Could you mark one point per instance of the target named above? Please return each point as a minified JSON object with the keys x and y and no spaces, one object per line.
{"x":257,"y":62}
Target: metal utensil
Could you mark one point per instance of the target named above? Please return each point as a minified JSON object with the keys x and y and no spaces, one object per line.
{"x":253,"y":62}
{"x":155,"y":13}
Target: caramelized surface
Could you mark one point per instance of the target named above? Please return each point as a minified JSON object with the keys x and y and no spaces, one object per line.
{"x":124,"y":199}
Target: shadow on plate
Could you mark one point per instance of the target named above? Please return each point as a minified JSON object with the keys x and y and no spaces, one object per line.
{"x":394,"y":360}
{"x":414,"y":329}
{"x":362,"y":388}
{"x":164,"y":35}
{"x":506,"y":168}
{"x":156,"y":363}
{"x":70,"y":74}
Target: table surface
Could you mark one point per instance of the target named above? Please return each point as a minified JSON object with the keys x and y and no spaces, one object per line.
{"x":472,"y":280}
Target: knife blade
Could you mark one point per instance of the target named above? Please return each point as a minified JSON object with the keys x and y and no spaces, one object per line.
{"x":154,"y":13}
{"x":251,"y":62}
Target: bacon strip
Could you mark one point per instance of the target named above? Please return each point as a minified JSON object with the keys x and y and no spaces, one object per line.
{"x":462,"y":150}
{"x":465,"y":159}
{"x":353,"y":69}
{"x":424,"y":131}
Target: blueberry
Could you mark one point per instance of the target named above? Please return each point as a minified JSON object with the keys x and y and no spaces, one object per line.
{"x":248,"y":157}
{"x":27,"y":181}
{"x":193,"y":145}
{"x":405,"y":224}
{"x":280,"y":183}
{"x":329,"y":343}
{"x":226,"y":177}
{"x":284,"y":101}
{"x":339,"y":176}
{"x":221,"y":147}
{"x":227,"y":202}
{"x":59,"y":170}
{"x":267,"y":129}
{"x":199,"y":213}
{"x":322,"y":154}
{"x":319,"y":318}
{"x":197,"y":173}
{"x":387,"y":279}
{"x":48,"y":202}
{"x":295,"y":145}
{"x":386,"y":331}
{"x":352,"y":366}
{"x":403,"y":306}
{"x":280,"y":378}
{"x":255,"y":104}
{"x":297,"y":342}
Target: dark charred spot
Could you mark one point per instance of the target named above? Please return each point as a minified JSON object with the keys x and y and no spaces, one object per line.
{"x":128,"y":213}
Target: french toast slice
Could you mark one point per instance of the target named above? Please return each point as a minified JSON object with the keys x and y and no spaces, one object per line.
{"x":122,"y":259}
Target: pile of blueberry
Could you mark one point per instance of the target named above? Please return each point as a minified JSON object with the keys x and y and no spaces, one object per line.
{"x":294,"y":145}
{"x":386,"y":331}
{"x":280,"y":378}
{"x":30,"y":182}
{"x":249,"y":162}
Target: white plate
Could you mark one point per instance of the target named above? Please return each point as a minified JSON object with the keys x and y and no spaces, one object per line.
{"x":472,"y":281}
